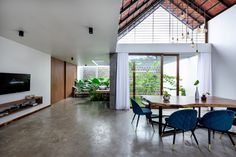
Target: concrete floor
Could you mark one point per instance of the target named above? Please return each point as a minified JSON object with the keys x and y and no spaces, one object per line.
{"x":77,"y":127}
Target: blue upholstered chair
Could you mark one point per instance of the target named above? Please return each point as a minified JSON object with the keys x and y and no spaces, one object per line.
{"x":233,"y":109}
{"x":185,"y":120}
{"x":140,"y":112}
{"x":219,"y":120}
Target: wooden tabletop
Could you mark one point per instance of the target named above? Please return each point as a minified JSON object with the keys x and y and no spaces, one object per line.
{"x":187,"y":101}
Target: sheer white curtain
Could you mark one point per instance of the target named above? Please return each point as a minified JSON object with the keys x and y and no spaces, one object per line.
{"x":122,"y":82}
{"x":204,"y":70}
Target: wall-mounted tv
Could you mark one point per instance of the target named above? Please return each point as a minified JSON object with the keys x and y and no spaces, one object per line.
{"x":14,"y":83}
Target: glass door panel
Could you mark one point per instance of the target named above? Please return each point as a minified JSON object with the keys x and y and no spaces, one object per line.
{"x":153,"y":74}
{"x":170,"y":76}
{"x":145,"y":75}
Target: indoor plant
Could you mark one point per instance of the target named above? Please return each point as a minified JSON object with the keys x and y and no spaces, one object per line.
{"x":204,"y":96}
{"x":166,"y":96}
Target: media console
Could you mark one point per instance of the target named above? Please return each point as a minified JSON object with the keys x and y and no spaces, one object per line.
{"x":11,"y":108}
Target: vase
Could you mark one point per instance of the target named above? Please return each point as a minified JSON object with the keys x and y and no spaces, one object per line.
{"x":166,"y":98}
{"x":196,"y":94}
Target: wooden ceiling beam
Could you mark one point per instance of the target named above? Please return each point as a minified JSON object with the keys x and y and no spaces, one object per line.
{"x":130,"y":14}
{"x":128,"y":6}
{"x":199,"y":22}
{"x":197,"y":8}
{"x":217,"y":3}
{"x":154,"y":4}
{"x":225,"y":4}
{"x":203,"y":3}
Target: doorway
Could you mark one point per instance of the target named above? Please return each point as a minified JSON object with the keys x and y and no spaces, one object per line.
{"x":152,"y":74}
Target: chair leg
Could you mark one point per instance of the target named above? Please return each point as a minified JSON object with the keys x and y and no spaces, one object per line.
{"x":209,"y":139}
{"x":213,"y":134}
{"x":137,"y":121}
{"x":194,"y":136}
{"x":231,"y":139}
{"x":149,"y":118}
{"x":152,"y":125}
{"x":174,"y":136}
{"x":193,"y":131}
{"x":164,"y":128}
{"x":133,"y":118}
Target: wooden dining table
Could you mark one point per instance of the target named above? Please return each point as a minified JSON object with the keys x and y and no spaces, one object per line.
{"x":156,"y":102}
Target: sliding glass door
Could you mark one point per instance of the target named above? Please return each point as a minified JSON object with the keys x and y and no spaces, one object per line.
{"x":151,"y":74}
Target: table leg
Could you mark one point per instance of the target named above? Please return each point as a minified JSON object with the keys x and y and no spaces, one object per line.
{"x":199,"y":112}
{"x":160,"y":120}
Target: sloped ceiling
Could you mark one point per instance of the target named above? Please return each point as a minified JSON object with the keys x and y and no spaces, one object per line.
{"x":60,"y":27}
{"x":132,"y":12}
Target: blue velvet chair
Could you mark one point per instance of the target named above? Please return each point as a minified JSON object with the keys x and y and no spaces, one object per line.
{"x":219,"y":120}
{"x":140,"y":112}
{"x":185,"y":120}
{"x":233,"y":109}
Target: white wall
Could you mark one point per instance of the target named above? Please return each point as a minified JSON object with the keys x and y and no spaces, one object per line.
{"x":17,"y":58}
{"x":222,"y":33}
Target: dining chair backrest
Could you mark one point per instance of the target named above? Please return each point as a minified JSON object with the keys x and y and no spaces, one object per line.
{"x":232,"y":109}
{"x":219,"y":120}
{"x":183,"y":119}
{"x":136,"y":108}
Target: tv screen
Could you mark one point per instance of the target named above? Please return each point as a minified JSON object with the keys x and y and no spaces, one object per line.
{"x":13,"y":83}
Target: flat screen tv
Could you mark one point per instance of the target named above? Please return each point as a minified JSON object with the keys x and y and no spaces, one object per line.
{"x":14,"y":83}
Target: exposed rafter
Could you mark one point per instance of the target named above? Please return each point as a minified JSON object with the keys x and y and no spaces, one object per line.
{"x":223,"y":2}
{"x":190,"y":15}
{"x":198,"y":10}
{"x":217,"y":3}
{"x":153,"y":5}
{"x":136,"y":9}
{"x":128,"y":6}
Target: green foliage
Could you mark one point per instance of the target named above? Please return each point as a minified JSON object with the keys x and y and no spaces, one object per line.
{"x":91,"y":85}
{"x":182,"y":91}
{"x":165,"y":93}
{"x":196,"y":83}
{"x":149,"y":82}
{"x":83,"y":85}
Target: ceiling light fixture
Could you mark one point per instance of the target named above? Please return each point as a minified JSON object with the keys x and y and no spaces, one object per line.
{"x":202,"y":28}
{"x":21,"y":33}
{"x":90,"y":30}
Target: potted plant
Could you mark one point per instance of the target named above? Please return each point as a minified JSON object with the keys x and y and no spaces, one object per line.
{"x":196,"y":92}
{"x":104,"y":83}
{"x":166,"y":96}
{"x":204,"y":96}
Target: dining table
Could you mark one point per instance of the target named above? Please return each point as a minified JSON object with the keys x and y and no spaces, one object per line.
{"x":157,"y":102}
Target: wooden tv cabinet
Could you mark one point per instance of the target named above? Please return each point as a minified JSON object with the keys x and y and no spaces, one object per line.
{"x":13,"y":107}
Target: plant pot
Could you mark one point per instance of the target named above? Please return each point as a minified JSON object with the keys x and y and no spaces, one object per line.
{"x":203,"y":98}
{"x":166,"y":98}
{"x":85,"y":90}
{"x":102,"y":87}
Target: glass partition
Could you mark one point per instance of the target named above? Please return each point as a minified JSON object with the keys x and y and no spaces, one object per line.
{"x":152,"y":74}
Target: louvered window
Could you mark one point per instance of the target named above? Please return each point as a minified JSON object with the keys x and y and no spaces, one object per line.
{"x":162,"y":27}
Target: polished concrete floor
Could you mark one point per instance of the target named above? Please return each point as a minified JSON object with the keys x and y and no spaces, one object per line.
{"x":79,"y":128}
